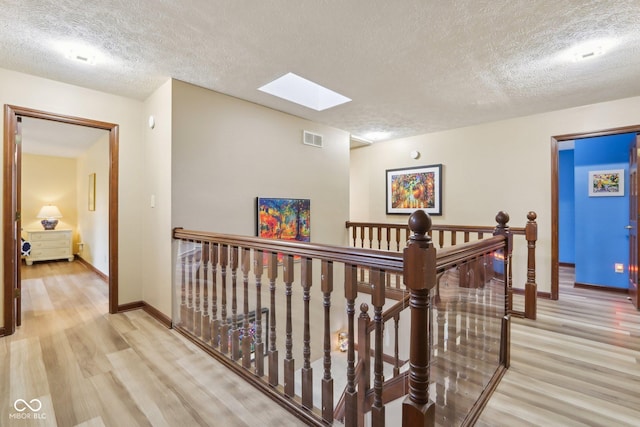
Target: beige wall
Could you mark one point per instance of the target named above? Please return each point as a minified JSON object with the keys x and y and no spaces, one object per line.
{"x":226,"y":152}
{"x":48,"y":180}
{"x":157,"y":258}
{"x":93,"y":226}
{"x":33,"y":92}
{"x":503,"y":165}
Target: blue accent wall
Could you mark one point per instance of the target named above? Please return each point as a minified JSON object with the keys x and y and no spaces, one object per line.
{"x":601,"y":239}
{"x":566,"y":209}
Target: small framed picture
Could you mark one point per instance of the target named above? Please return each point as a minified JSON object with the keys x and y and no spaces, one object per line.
{"x":606,"y":183}
{"x":414,"y":188}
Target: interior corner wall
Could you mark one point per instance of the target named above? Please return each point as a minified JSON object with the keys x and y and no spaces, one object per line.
{"x":28,"y":91}
{"x":601,"y":239}
{"x":504,"y":165}
{"x":226,"y":152}
{"x":156,"y":210}
{"x":48,"y":180}
{"x":93,"y":226}
{"x":566,"y":208}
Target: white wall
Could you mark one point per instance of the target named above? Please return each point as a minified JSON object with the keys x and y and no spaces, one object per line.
{"x":503,"y":165}
{"x":33,"y":92}
{"x":93,"y":226}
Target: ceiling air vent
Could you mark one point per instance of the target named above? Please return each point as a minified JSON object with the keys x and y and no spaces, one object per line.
{"x":312,"y":139}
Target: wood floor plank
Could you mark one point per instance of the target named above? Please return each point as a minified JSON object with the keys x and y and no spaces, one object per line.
{"x":118,"y":408}
{"x":73,"y":397}
{"x":158,"y":402}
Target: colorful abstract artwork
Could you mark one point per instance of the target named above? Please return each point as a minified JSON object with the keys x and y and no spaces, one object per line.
{"x":409,"y":189}
{"x":286,"y":219}
{"x":606,"y":183}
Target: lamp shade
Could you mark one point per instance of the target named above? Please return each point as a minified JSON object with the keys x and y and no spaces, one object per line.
{"x":49,"y":215}
{"x":49,"y":211}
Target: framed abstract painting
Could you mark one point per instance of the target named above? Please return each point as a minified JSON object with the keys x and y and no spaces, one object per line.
{"x":414,"y":188}
{"x":286,"y":219}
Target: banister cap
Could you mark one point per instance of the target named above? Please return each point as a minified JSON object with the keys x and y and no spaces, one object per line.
{"x":531,"y":216}
{"x":502,"y":218}
{"x":420,"y":222}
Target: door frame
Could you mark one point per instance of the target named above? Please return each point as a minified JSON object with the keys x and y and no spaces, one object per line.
{"x":11,"y":259}
{"x":555,"y":197}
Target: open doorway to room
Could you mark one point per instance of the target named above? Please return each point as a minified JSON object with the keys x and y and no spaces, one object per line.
{"x":585,"y":139}
{"x":16,"y":118}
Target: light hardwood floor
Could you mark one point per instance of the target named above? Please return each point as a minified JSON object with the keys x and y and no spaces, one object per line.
{"x":90,"y":368}
{"x":578,"y":364}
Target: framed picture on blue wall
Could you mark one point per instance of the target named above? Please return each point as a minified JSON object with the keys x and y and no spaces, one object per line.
{"x":606,"y":183}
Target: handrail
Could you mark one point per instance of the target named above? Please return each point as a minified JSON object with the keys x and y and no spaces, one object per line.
{"x":388,"y":261}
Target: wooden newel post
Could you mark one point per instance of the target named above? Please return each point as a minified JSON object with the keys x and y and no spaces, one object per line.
{"x":502,"y":229}
{"x":419,"y":278}
{"x":531,"y":288}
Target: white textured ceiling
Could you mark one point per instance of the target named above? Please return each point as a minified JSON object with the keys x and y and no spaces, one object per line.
{"x":411,"y":67}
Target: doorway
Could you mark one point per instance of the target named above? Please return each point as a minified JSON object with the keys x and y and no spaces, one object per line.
{"x":555,"y":180}
{"x":11,"y":215}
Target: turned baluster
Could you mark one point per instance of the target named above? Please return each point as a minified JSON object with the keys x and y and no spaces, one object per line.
{"x":326,"y":283}
{"x":398,"y":234}
{"x":362,"y":236}
{"x":307,"y":371}
{"x":364,"y":359}
{"x":350,"y":294}
{"x":224,"y":325}
{"x":370,"y":234}
{"x":531,"y":288}
{"x":378,"y":300}
{"x":183,"y":290}
{"x":258,"y":268}
{"x":396,"y":347}
{"x":206,"y":320}
{"x":354,"y":235}
{"x":235,"y":331}
{"x":246,"y":335}
{"x":215,"y":322}
{"x":272,"y":265}
{"x":190,"y":295}
{"x":197,"y":316}
{"x":289,"y":362}
{"x":420,"y":278}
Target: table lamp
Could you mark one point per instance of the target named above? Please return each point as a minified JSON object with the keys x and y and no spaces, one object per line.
{"x":49,"y":215}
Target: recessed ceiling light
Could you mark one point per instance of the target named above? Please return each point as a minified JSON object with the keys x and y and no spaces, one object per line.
{"x":304,"y":92}
{"x":588,"y":50}
{"x":377,"y":135}
{"x":83,"y":57}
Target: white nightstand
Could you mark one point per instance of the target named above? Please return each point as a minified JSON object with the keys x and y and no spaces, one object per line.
{"x":48,"y":245}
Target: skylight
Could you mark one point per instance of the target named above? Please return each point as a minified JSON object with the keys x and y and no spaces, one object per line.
{"x":304,"y":92}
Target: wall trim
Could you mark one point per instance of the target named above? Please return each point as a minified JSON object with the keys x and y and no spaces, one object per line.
{"x":149,"y":309}
{"x":92,"y":268}
{"x":580,"y":285}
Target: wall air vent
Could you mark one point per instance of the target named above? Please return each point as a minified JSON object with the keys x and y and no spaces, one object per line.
{"x":313,"y":139}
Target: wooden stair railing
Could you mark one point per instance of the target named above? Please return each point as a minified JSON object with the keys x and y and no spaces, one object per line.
{"x":391,"y":237}
{"x":218,"y":286}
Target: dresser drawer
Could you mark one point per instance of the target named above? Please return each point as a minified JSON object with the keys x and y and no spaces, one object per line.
{"x":49,"y":253}
{"x":43,"y":244}
{"x":46,"y":236}
{"x":47,"y":245}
